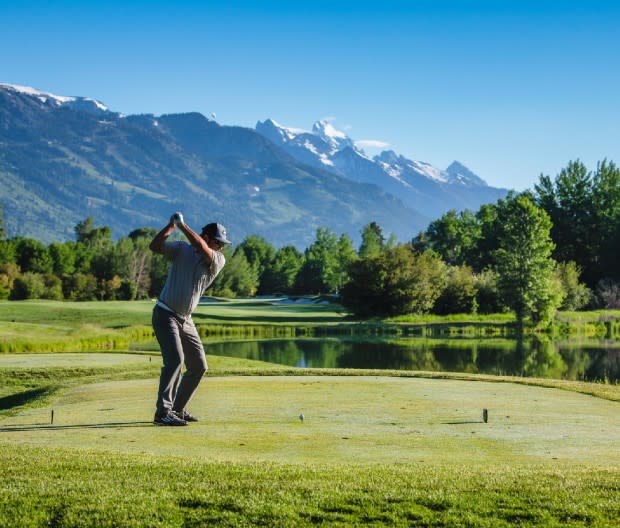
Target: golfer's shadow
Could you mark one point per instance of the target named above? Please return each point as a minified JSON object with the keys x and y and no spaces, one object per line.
{"x":52,"y":427}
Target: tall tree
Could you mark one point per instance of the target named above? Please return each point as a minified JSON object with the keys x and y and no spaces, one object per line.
{"x":454,"y":236}
{"x":373,"y":241}
{"x":319,"y":272}
{"x":568,"y":202}
{"x":524,"y":264}
{"x":279,"y":276}
{"x":259,"y":253}
{"x":237,"y":278}
{"x":63,"y":257}
{"x":345,"y":255}
{"x":32,"y":256}
{"x":606,"y":229}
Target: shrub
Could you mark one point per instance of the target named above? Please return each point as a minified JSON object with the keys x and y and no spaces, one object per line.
{"x":459,"y":295}
{"x":395,"y":282}
{"x":28,"y":286}
{"x":487,"y":295}
{"x":80,"y":287}
{"x":576,"y":294}
{"x":608,"y":294}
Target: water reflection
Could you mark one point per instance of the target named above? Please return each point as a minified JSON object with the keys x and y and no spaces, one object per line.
{"x":589,"y":360}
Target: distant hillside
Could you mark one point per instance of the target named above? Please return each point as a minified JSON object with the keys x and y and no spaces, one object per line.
{"x":65,"y":158}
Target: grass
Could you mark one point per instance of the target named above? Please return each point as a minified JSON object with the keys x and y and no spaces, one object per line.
{"x":54,"y":487}
{"x":397,"y":420}
{"x":121,"y":314}
{"x":378,"y":448}
{"x":371,"y":450}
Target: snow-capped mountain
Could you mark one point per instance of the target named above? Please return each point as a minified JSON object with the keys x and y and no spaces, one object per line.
{"x":336,"y":139}
{"x":458,"y":173}
{"x":419,"y":184}
{"x":63,"y":159}
{"x":313,"y":148}
{"x":83,"y":104}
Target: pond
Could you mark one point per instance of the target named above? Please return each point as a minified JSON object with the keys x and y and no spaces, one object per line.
{"x":588,"y":360}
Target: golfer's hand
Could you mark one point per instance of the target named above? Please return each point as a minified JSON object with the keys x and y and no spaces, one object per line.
{"x":177,"y":218}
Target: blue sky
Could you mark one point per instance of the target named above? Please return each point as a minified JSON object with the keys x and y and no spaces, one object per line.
{"x":510,"y":89}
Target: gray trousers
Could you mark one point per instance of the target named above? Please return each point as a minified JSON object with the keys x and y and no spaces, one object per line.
{"x":179,"y":343}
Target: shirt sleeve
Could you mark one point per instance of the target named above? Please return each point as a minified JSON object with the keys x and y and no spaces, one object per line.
{"x":217,"y":263}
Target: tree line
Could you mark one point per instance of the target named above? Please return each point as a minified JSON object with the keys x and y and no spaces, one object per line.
{"x":554,"y":247}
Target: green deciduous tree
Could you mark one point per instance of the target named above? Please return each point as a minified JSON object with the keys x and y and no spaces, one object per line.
{"x":606,"y":229}
{"x":454,"y":236}
{"x":28,"y":285}
{"x":373,"y":241}
{"x":488,"y":299}
{"x":568,"y":202}
{"x":459,"y":294}
{"x":32,"y":255}
{"x":576,"y":294}
{"x":259,"y":253}
{"x":80,"y":287}
{"x":524,"y":264}
{"x":345,"y":256}
{"x":238,"y":278}
{"x":319,"y":271}
{"x":279,"y":276}
{"x":63,"y":257}
{"x":7,"y":252}
{"x":397,"y":281}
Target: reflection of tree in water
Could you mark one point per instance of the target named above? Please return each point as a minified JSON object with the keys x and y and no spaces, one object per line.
{"x":524,"y":357}
{"x":383,"y":355}
{"x":541,"y":359}
{"x":604,"y":363}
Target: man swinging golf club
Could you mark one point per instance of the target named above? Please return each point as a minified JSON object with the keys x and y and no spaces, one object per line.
{"x":194,"y":267}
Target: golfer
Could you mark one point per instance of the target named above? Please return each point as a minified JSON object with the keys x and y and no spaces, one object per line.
{"x":194,"y":267}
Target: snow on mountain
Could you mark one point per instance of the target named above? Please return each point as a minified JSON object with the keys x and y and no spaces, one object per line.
{"x":328,"y":147}
{"x":420,"y":185}
{"x":78,"y":103}
{"x":395,"y":164}
{"x":458,"y":173}
{"x":336,"y":139}
{"x":303,"y":145}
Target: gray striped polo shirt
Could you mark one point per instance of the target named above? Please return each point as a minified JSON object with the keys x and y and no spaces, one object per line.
{"x":189,"y":276}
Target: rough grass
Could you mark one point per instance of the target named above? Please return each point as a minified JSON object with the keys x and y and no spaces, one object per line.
{"x":54,"y":487}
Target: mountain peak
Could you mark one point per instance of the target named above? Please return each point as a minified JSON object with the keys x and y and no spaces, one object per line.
{"x":331,"y":135}
{"x":85,"y":104}
{"x":271,"y":129}
{"x":388,"y":156}
{"x":459,"y":173}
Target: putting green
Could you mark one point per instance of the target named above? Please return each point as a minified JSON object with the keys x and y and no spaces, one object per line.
{"x":346,"y":419}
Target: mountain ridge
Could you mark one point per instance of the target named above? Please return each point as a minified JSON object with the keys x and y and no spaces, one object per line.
{"x":418,"y":184}
{"x":65,"y":158}
{"x":60,"y":164}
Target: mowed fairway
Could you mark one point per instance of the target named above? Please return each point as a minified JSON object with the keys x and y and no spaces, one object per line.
{"x":373,"y":420}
